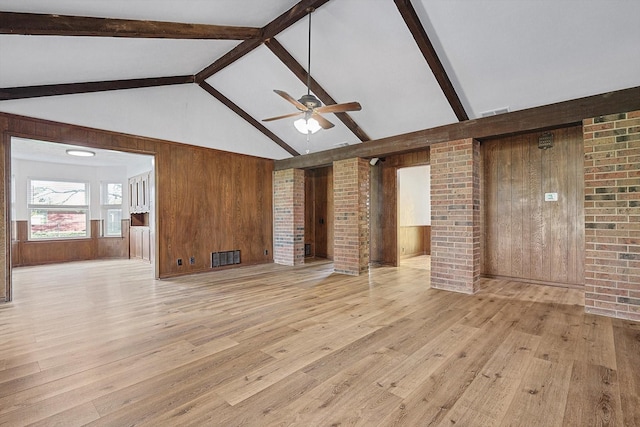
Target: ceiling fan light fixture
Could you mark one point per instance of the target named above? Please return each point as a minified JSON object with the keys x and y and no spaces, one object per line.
{"x":307,"y":126}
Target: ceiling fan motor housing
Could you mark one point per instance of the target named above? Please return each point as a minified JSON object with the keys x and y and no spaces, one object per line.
{"x":310,"y":101}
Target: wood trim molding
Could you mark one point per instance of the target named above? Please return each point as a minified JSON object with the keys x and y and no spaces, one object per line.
{"x":64,"y":25}
{"x":87,"y":87}
{"x":253,"y":122}
{"x":299,"y":71}
{"x":536,"y":282}
{"x":426,"y":47}
{"x":538,"y":118}
{"x":5,"y":152}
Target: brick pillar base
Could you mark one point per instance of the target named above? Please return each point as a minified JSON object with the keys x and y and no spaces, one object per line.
{"x":612,"y":215}
{"x":351,"y":216}
{"x":288,"y":214}
{"x":455,"y":215}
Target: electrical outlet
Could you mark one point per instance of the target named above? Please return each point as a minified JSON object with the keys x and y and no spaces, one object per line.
{"x":179,"y":261}
{"x":192,"y":260}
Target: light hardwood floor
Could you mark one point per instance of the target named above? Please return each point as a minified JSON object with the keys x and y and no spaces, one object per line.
{"x":101,"y":343}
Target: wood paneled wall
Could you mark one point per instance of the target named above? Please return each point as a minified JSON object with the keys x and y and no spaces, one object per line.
{"x":414,"y":240}
{"x":25,"y":252}
{"x":211,"y":201}
{"x":524,"y":236}
{"x":384,"y":205}
{"x":206,"y":200}
{"x":319,"y":211}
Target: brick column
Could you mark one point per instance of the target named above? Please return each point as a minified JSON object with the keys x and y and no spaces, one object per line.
{"x":455,"y":215}
{"x":288,"y":215}
{"x":612,"y":215}
{"x":351,"y":216}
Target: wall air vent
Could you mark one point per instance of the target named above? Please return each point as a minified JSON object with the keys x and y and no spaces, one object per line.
{"x":220,"y":259}
{"x":545,"y":141}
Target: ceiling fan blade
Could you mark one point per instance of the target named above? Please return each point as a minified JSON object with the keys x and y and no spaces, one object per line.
{"x":324,"y":123}
{"x":291,"y":99}
{"x":339,"y":108}
{"x":282,"y":117}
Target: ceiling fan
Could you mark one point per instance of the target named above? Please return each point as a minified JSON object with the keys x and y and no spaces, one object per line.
{"x":310,"y":107}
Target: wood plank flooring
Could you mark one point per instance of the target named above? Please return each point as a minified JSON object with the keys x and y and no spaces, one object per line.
{"x":102,"y":343}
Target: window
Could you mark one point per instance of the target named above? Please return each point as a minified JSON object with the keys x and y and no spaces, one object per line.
{"x":58,"y":209}
{"x":113,"y":194}
{"x":112,"y":208}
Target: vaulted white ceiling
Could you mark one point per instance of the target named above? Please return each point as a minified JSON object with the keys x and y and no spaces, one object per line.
{"x":498,"y":54}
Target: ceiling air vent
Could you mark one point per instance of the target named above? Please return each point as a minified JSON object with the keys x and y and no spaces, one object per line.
{"x":495,"y":112}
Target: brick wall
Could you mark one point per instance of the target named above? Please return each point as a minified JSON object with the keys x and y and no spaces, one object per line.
{"x":351,"y":216}
{"x":288,"y":215}
{"x":612,"y":215}
{"x":455,"y":215}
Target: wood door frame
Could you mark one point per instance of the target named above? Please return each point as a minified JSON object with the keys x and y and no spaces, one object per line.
{"x":8,"y":191}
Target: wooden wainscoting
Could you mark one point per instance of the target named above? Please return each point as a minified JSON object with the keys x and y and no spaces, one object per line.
{"x":526,"y":237}
{"x":414,"y":240}
{"x":25,"y":252}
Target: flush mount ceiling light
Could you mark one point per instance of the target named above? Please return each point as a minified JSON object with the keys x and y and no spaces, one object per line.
{"x":80,"y":153}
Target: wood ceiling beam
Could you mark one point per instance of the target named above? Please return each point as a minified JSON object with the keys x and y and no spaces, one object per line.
{"x":87,"y":87}
{"x":253,"y":122}
{"x":532,"y":119}
{"x":273,"y":28}
{"x":63,"y":25}
{"x":426,"y":47}
{"x":269,"y":31}
{"x":322,"y":94}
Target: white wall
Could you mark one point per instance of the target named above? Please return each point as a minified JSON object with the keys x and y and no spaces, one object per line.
{"x":23,"y":170}
{"x":414,"y":196}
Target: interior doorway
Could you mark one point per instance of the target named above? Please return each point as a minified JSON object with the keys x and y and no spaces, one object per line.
{"x":71,"y":208}
{"x":414,"y":217}
{"x":318,"y":228}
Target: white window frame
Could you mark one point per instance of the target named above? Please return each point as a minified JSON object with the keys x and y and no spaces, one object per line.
{"x":105,"y":207}
{"x":85,"y":208}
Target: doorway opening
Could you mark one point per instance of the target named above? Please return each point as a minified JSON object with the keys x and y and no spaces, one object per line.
{"x":414,"y":217}
{"x":69,"y":208}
